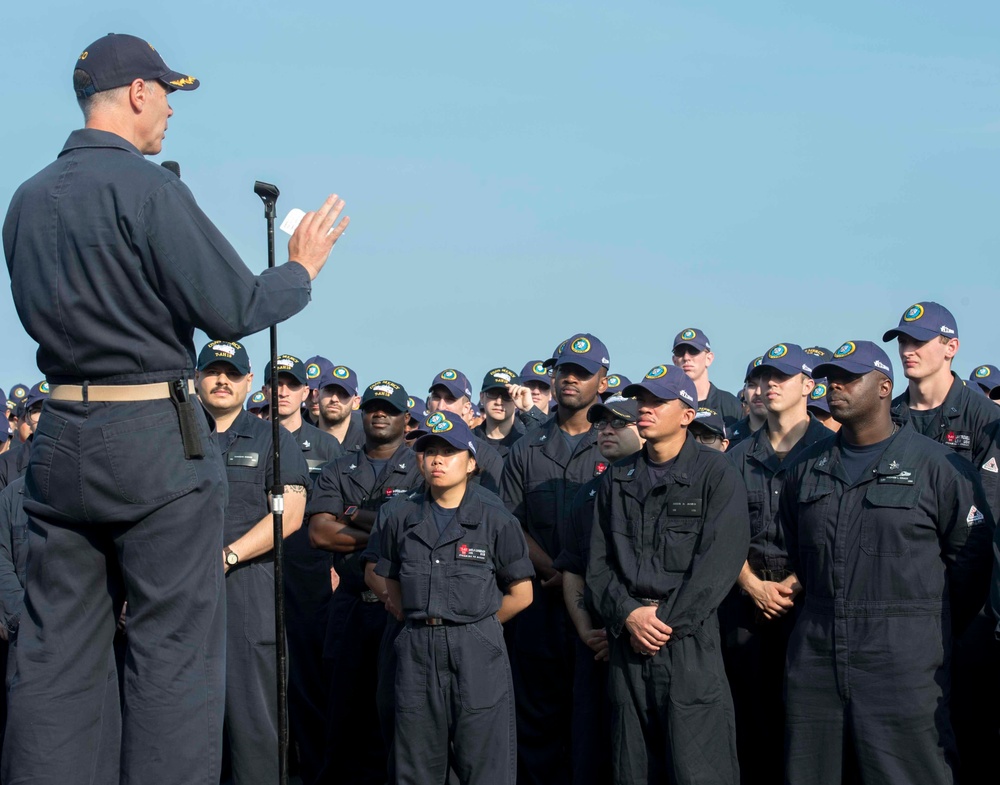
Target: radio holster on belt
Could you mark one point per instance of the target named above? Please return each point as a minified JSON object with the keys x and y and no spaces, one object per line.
{"x":187,"y":418}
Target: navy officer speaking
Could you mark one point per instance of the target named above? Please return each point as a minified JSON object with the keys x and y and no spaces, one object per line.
{"x":113,"y":265}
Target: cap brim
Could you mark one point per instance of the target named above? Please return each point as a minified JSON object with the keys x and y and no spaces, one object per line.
{"x":180,"y":81}
{"x":692,"y":345}
{"x":912,"y":331}
{"x":785,"y":368}
{"x":633,"y":390}
{"x":404,"y":410}
{"x":592,"y":366}
{"x":858,"y":369}
{"x":718,"y":430}
{"x":454,"y":388}
{"x":422,"y":441}
{"x":599,"y":410}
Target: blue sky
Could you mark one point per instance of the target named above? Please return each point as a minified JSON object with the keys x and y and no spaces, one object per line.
{"x":767,"y":172}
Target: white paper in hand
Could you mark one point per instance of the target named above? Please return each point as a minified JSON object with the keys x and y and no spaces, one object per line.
{"x":292,"y":220}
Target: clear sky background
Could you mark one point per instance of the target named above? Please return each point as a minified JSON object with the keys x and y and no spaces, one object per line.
{"x":517,"y":172}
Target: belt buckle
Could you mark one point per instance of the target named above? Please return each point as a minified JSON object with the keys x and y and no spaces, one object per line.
{"x":434,"y":622}
{"x":369,"y":596}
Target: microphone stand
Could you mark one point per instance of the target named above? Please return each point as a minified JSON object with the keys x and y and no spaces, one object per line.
{"x":269,"y":195}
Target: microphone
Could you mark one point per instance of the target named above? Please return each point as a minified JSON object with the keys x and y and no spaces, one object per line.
{"x":172,"y":166}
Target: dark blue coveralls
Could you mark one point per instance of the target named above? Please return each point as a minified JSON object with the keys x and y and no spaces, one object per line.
{"x":490,"y":465}
{"x":113,"y":265}
{"x":540,"y":480}
{"x":725,"y":403}
{"x":251,"y":723}
{"x":679,"y":545}
{"x":454,"y":696}
{"x":356,"y":750}
{"x":523,"y":422}
{"x":307,"y":606}
{"x":892,"y":566}
{"x":754,"y":647}
{"x":13,"y":564}
{"x":969,"y":424}
{"x":591,"y":731}
{"x":14,"y":462}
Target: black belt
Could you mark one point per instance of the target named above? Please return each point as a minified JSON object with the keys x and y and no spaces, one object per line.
{"x":648,"y":601}
{"x":775,"y":576}
{"x":432,"y":621}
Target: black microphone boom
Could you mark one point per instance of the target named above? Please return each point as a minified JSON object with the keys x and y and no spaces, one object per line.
{"x":172,"y":166}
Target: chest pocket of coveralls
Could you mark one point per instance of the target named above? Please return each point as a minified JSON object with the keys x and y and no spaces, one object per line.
{"x":247,"y":497}
{"x":814,"y":508}
{"x":678,"y":533}
{"x":542,"y":502}
{"x":886,"y":517}
{"x":755,"y":505}
{"x":470,"y":585}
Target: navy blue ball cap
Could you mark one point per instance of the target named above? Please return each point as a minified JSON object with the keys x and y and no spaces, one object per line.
{"x":417,"y":408}
{"x":693,"y":337}
{"x":388,"y":391}
{"x":17,"y":394}
{"x":754,"y":363}
{"x":710,"y":420}
{"x":38,"y":393}
{"x":231,"y":352}
{"x":117,"y":60}
{"x":923,"y":321}
{"x":616,"y":407}
{"x":585,"y":350}
{"x":290,"y":364}
{"x":340,"y":376}
{"x":535,"y":371}
{"x":616,"y":383}
{"x":556,"y":354}
{"x":817,"y":398}
{"x":3,"y":402}
{"x":819,"y":354}
{"x":498,"y":378}
{"x":856,"y":357}
{"x":668,"y":383}
{"x":315,"y":366}
{"x":788,"y":358}
{"x":456,"y":382}
{"x":448,"y":426}
{"x":257,"y":401}
{"x":985,"y":378}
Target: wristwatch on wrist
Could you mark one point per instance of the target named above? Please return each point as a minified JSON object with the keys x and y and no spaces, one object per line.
{"x":230,"y":557}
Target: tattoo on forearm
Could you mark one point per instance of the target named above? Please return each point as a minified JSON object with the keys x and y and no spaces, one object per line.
{"x":580,"y":603}
{"x":298,"y":490}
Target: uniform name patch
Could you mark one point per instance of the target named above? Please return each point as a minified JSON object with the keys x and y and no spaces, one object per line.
{"x":687,"y":509}
{"x":466,"y":552}
{"x":974,"y":517}
{"x":250,"y":459}
{"x":903,"y":478}
{"x":959,"y":440}
{"x":390,"y":492}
